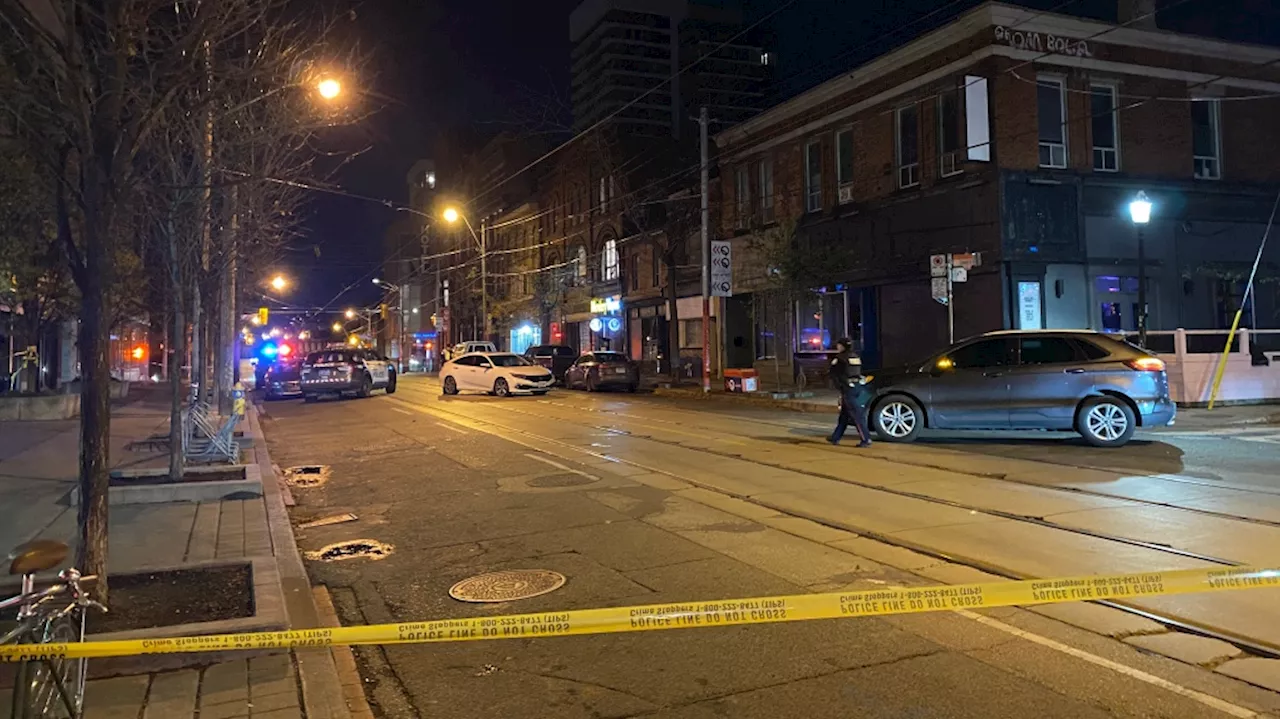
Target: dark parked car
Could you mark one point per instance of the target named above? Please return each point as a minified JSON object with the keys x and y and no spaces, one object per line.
{"x":283,"y":379}
{"x":557,"y":358}
{"x":1087,"y":382}
{"x":346,"y":371}
{"x":603,"y":370}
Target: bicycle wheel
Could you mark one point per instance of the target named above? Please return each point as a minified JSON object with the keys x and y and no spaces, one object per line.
{"x":52,"y":689}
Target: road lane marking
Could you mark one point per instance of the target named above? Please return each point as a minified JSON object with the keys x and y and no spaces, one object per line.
{"x":451,"y":428}
{"x":401,"y":411}
{"x":1210,"y":701}
{"x":562,"y":467}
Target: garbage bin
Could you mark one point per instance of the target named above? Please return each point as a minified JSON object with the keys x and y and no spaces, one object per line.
{"x":741,"y":380}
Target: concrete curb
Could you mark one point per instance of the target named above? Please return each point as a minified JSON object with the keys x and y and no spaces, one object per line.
{"x":317,"y":673}
{"x":194,"y":491}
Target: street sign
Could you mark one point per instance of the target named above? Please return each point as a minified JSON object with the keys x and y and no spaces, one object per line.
{"x":937,"y":265}
{"x":967,"y":260}
{"x":721,"y":269}
{"x":938,"y":289}
{"x":959,"y":274}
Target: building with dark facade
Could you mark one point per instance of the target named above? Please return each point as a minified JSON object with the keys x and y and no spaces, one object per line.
{"x":1021,"y":137}
{"x":627,"y":51}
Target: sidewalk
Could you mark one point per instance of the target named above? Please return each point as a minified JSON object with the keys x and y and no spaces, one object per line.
{"x":38,"y":466}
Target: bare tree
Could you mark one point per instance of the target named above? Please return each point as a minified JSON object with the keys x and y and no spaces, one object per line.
{"x":92,"y":89}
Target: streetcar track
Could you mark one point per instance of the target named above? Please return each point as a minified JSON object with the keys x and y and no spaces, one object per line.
{"x":1246,"y":643}
{"x":1012,"y":516}
{"x":1001,"y":477}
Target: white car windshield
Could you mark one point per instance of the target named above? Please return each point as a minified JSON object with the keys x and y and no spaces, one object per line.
{"x":509,"y":360}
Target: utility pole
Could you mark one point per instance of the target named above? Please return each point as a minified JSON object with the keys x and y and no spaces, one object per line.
{"x":199,"y":324}
{"x":484,"y":278}
{"x":706,"y":257}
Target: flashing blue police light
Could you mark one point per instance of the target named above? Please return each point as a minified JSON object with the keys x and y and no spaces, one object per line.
{"x":269,"y":350}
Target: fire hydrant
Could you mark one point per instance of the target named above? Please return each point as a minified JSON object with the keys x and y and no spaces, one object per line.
{"x":237,"y":400}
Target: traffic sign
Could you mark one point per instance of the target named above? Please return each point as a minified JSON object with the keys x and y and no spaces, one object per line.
{"x":959,"y":274}
{"x":937,"y":265}
{"x":967,"y":260}
{"x":721,"y":269}
{"x":938,"y":289}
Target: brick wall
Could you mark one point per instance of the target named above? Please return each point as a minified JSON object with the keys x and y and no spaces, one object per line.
{"x":1251,"y":140}
{"x":1155,"y":137}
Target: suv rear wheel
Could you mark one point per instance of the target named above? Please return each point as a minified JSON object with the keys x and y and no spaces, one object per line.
{"x":366,"y":387}
{"x":1106,"y":421}
{"x":391,"y":384}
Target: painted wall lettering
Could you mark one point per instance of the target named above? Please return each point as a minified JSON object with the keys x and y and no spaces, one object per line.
{"x":1039,"y":42}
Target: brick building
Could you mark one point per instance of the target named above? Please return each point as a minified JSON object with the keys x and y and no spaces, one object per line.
{"x":1022,"y":136}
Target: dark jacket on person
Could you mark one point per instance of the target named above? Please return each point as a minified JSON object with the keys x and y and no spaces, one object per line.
{"x":846,"y":370}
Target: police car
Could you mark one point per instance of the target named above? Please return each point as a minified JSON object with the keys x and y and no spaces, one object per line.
{"x":346,"y":371}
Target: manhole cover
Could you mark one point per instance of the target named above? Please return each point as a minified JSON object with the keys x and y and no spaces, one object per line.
{"x":307,"y":475}
{"x":351,"y":549}
{"x":507,"y":585}
{"x":560,"y":480}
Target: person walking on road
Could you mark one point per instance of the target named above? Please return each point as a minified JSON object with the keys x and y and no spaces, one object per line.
{"x":846,"y":376}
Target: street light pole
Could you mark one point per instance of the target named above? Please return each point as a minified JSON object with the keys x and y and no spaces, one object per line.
{"x":1140,"y":213}
{"x":484,"y":281}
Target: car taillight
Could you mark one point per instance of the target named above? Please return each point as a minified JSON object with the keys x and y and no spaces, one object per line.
{"x":1146,"y":364}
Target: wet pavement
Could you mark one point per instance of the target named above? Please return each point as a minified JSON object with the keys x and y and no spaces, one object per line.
{"x":640,"y":499}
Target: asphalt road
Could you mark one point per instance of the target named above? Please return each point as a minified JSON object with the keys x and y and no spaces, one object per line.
{"x":639,"y":499}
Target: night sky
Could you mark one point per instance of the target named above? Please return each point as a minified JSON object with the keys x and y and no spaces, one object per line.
{"x":452,"y":73}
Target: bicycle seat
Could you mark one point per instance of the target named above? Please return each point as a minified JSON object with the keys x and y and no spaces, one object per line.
{"x":38,"y":556}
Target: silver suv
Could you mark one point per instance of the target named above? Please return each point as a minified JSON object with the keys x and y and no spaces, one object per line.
{"x":1082,"y":381}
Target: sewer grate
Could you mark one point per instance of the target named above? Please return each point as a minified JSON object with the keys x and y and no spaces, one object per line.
{"x":506,"y":586}
{"x":351,"y":549}
{"x":307,"y":475}
{"x":561,"y":480}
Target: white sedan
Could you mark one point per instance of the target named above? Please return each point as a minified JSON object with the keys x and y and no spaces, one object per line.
{"x":500,"y":373}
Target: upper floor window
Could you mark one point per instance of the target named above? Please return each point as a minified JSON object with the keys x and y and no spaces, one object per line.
{"x":580,"y":263}
{"x":742,"y":190}
{"x":609,"y":261}
{"x":813,"y":176}
{"x":604,"y":196}
{"x":766,"y":190}
{"x":844,"y":161}
{"x":1051,"y":109}
{"x":1206,"y":138}
{"x":907,"y":131}
{"x":1106,"y":130}
{"x":950,"y":147}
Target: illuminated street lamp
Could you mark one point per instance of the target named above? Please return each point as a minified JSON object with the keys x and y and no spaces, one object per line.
{"x":329,"y":88}
{"x":353,"y":340}
{"x":350,"y":314}
{"x":1140,"y":213}
{"x":337,"y":327}
{"x":278,"y":283}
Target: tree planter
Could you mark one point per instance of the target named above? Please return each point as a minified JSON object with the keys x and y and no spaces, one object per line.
{"x":39,"y":407}
{"x":199,"y":484}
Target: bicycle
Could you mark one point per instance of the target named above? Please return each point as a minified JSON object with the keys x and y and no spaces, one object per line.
{"x":48,"y":688}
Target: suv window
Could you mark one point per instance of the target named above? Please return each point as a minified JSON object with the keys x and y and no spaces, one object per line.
{"x":1092,"y":351}
{"x":564,"y":352}
{"x":987,"y":353}
{"x":586,"y":359}
{"x":327,"y":357}
{"x":1050,"y":350}
{"x":610,"y":357}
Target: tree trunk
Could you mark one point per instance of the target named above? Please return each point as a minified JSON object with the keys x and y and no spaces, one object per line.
{"x":673,"y":321}
{"x":197,"y":348}
{"x":95,"y":406}
{"x":176,"y":351}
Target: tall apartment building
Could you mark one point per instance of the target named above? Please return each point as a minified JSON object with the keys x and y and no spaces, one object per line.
{"x":623,"y":49}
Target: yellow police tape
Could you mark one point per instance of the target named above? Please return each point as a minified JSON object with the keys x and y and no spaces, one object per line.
{"x":718,"y":613}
